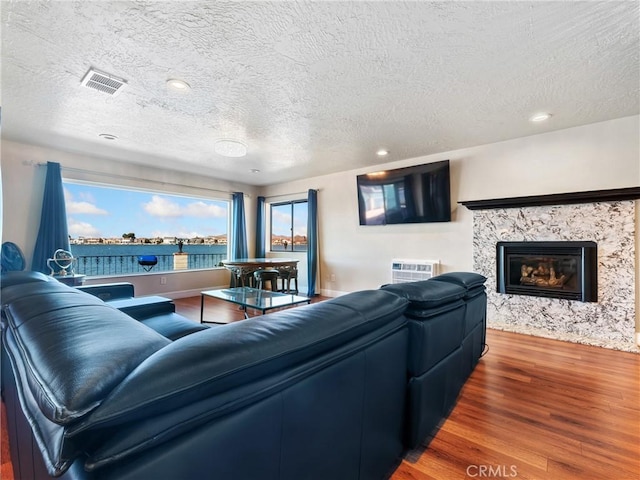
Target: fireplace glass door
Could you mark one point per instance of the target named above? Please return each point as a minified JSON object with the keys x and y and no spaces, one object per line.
{"x":565,"y":270}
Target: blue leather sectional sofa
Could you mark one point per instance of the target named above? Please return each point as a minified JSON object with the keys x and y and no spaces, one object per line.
{"x":335,"y":390}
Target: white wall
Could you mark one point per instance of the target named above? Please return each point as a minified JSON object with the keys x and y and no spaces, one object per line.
{"x":599,"y":156}
{"x":22,"y":190}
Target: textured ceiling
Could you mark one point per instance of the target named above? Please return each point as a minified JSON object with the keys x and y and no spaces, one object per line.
{"x":311,"y":88}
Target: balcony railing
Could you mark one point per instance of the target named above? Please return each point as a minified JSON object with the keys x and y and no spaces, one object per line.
{"x":128,"y":264}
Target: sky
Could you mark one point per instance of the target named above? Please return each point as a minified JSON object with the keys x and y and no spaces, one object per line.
{"x":108,"y":212}
{"x":281,"y":219}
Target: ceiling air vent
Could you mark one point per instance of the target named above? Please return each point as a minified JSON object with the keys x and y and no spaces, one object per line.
{"x":103,"y":82}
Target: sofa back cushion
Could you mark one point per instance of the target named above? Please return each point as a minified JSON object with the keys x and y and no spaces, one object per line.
{"x":13,"y":292}
{"x":428,"y":297}
{"x":213,"y":361}
{"x":20,"y":277}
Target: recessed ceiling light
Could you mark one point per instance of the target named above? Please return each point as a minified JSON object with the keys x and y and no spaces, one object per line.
{"x":230,"y":148}
{"x":254,"y":170}
{"x":382,"y":152}
{"x":177,"y":84}
{"x":540,"y":117}
{"x":108,"y":136}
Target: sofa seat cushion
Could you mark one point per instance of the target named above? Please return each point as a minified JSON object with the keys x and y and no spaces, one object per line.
{"x":219,"y":359}
{"x":75,"y":349}
{"x":141,"y":307}
{"x":427,"y":294}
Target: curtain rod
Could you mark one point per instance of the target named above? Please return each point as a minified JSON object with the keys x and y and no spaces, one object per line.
{"x":127,"y":177}
{"x":290,"y":194}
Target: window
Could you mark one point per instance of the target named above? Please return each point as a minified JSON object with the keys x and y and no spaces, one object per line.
{"x":111,"y":228}
{"x":289,"y":226}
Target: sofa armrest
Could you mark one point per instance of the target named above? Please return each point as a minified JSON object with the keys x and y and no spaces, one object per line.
{"x":109,"y":291}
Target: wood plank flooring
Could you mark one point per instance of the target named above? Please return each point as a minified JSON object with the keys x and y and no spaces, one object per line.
{"x":533,"y":408}
{"x":539,"y":409}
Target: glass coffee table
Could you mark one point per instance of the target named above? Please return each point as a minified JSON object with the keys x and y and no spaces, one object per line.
{"x":247,"y":297}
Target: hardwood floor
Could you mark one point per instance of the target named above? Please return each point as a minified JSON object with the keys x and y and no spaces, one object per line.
{"x":540,"y":409}
{"x":533,"y":409}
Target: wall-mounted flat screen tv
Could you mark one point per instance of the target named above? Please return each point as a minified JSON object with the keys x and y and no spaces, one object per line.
{"x":418,"y":194}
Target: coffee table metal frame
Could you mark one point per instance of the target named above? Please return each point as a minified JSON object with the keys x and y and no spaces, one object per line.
{"x":246,"y":297}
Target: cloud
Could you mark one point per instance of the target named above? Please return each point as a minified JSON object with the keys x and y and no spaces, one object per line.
{"x":81,"y":229}
{"x":179,"y":234}
{"x":281,"y":217}
{"x":87,"y":197}
{"x":205,"y":210}
{"x":163,"y":207}
{"x":300,"y":225}
{"x":76,"y":208}
{"x":84,"y":207}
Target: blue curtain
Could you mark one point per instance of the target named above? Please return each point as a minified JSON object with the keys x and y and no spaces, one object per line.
{"x":53,"y":233}
{"x":238,"y":228}
{"x":261,"y":232}
{"x":312,"y":242}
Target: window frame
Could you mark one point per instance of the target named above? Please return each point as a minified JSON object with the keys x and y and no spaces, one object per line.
{"x":292,"y":203}
{"x":193,"y":197}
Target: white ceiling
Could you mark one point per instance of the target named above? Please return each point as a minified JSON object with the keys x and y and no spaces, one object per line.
{"x":314,"y":87}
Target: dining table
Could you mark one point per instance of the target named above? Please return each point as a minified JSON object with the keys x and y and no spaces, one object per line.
{"x":243,"y":268}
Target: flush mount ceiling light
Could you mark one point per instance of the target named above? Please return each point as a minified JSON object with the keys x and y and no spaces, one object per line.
{"x":230,"y":148}
{"x":540,"y":117}
{"x":382,"y":152}
{"x":108,"y":136}
{"x":177,"y":84}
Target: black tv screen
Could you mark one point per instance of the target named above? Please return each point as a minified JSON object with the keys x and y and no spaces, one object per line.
{"x":418,"y":194}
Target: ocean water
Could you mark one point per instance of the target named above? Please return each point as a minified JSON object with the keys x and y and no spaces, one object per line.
{"x":124,"y":259}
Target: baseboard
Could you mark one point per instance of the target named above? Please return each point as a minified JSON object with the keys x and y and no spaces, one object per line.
{"x":332,"y":293}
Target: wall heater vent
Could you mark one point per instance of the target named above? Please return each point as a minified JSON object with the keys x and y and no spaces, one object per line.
{"x":413,"y":270}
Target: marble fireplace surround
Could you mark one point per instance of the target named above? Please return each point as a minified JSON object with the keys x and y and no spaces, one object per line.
{"x":608,"y":323}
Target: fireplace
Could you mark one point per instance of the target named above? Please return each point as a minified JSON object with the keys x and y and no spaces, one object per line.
{"x":567,"y":270}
